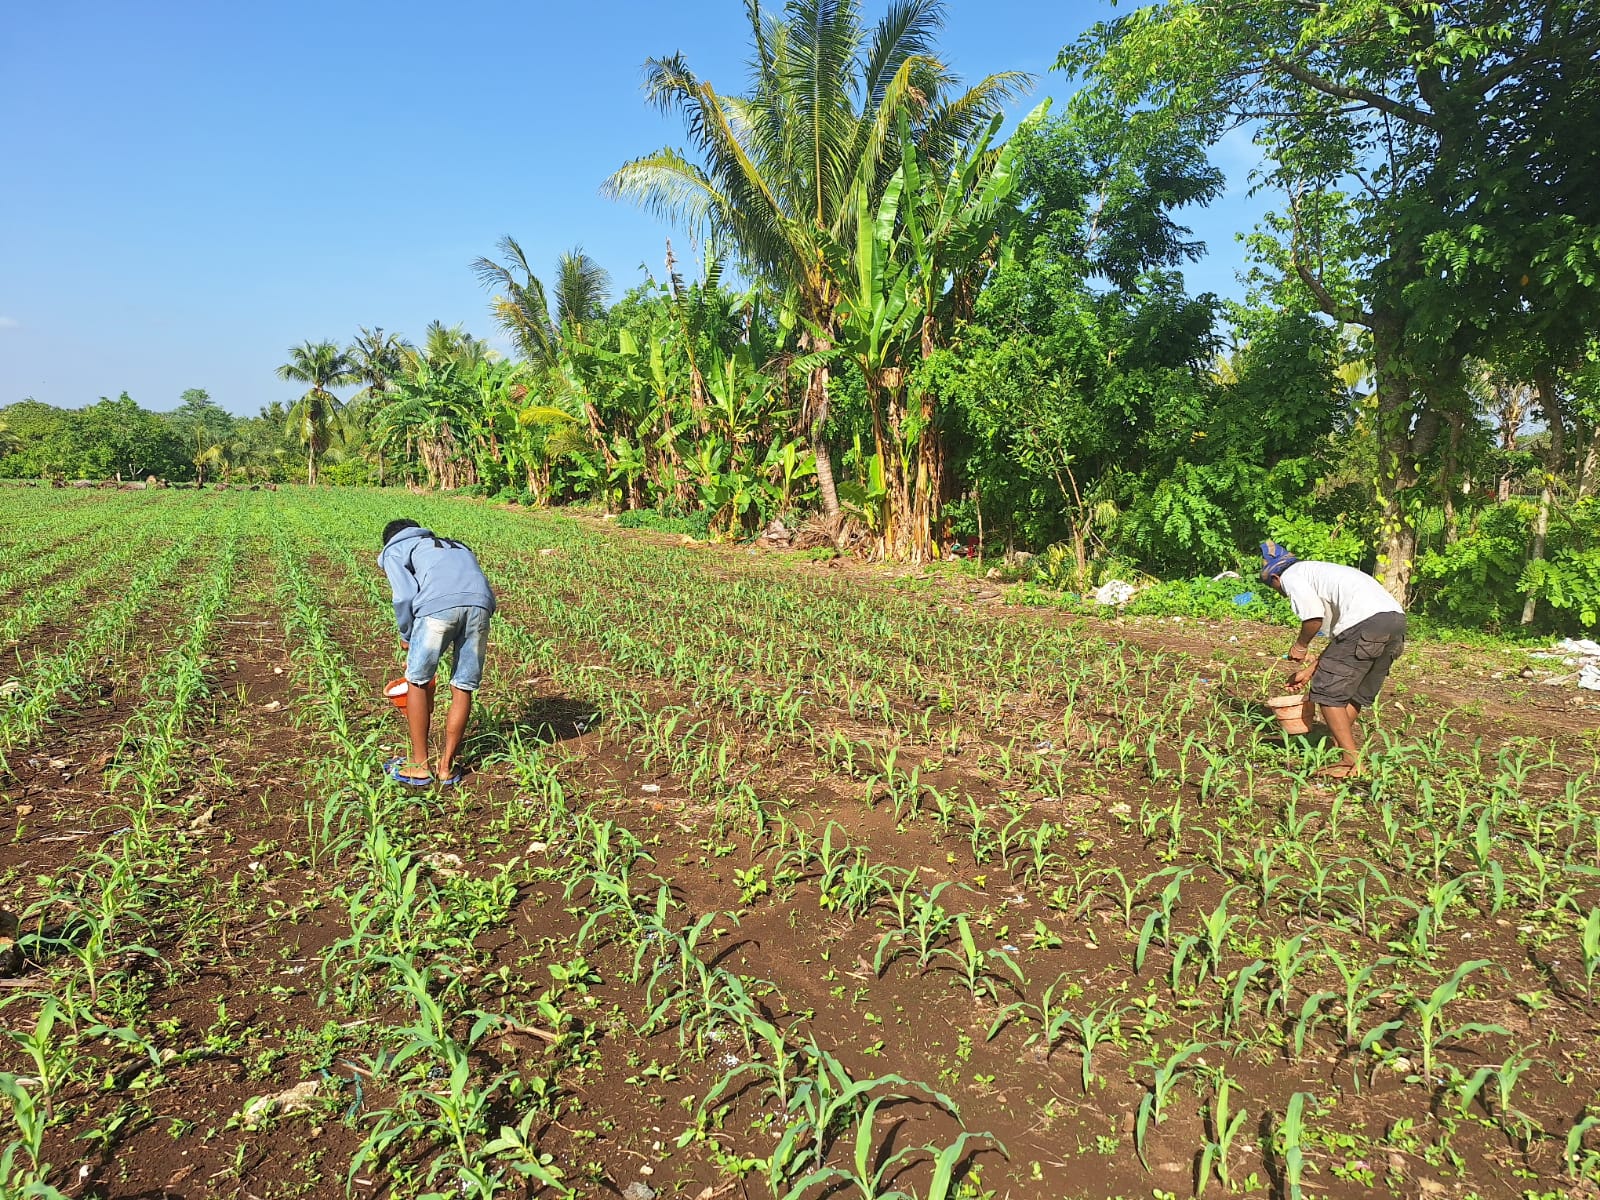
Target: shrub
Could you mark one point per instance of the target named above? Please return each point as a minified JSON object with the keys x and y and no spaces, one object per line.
{"x":1476,"y":581}
{"x":1213,"y":599}
{"x":696,"y":525}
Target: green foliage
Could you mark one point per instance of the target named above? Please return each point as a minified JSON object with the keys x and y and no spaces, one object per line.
{"x":1211,"y":599}
{"x":1475,"y":581}
{"x":1569,"y":579}
{"x":696,"y":525}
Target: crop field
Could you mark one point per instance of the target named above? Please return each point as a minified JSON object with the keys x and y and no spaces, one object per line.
{"x":771,"y":878}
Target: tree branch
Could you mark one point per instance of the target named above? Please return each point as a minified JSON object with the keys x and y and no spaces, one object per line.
{"x":1413,"y":116}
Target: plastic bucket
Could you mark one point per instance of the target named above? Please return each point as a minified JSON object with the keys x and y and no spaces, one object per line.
{"x":397,"y":690}
{"x":1294,"y":713}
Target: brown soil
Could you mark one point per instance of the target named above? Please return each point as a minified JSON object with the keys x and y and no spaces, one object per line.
{"x":235,"y":983}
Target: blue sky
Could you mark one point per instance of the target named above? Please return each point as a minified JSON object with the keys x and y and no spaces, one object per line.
{"x":191,"y":188}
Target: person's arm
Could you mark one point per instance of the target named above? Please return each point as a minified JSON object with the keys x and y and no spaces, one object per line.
{"x":1302,"y":644}
{"x":404,"y":586}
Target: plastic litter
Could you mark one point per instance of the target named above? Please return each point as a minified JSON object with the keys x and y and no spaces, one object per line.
{"x":1244,"y":598}
{"x":1114,"y":591}
{"x":1575,"y":652}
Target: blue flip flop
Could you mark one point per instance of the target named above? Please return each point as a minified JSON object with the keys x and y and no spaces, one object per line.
{"x":392,"y":770}
{"x":454,"y":778}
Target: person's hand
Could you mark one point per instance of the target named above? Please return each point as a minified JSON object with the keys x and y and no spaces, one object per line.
{"x":1303,"y":676}
{"x":404,"y":645}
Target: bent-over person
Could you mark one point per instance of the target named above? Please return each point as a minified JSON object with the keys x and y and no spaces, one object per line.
{"x":1366,"y":628}
{"x":442,"y":603}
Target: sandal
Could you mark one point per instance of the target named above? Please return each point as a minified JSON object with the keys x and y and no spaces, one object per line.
{"x":452,"y":779}
{"x":395,"y":770}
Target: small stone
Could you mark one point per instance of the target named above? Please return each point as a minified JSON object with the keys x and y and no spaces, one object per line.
{"x":24,"y":810}
{"x":59,"y":764}
{"x":638,"y":1191}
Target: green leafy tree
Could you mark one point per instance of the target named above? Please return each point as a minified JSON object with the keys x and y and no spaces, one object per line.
{"x":117,"y":438}
{"x":1370,"y":115}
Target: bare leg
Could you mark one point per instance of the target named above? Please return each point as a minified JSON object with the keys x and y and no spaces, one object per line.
{"x":455,"y":728}
{"x":419,"y":719}
{"x":1341,"y":721}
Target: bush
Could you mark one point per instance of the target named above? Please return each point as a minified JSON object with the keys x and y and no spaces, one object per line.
{"x":696,"y":525}
{"x":1475,"y":582}
{"x":1309,"y":537}
{"x":1213,"y":599}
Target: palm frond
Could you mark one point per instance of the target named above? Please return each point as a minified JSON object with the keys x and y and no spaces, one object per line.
{"x":582,"y":288}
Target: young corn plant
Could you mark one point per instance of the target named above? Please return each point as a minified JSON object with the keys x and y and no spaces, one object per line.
{"x":25,"y":1180}
{"x":1153,"y":1107}
{"x":1216,"y":1156}
{"x":1431,"y":1033}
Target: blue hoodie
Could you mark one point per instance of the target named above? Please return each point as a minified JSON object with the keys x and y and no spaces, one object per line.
{"x":430,"y":574}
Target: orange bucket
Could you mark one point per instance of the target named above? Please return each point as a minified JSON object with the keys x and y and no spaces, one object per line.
{"x":1294,"y":713}
{"x":397,"y":690}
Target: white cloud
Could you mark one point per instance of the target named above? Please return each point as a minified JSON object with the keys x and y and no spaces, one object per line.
{"x":9,"y":323}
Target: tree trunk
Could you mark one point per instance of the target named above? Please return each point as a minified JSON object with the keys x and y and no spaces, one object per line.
{"x":1541,"y":524}
{"x":1397,"y":535}
{"x":311,"y":466}
{"x":1447,"y":476}
{"x":930,"y":463}
{"x":1591,"y":465}
{"x":816,"y":410}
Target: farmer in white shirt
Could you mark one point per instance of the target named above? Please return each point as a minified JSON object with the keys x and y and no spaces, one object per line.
{"x":1367,"y":631}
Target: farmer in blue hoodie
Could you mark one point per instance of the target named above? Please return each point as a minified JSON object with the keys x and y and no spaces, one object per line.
{"x":441,"y":602}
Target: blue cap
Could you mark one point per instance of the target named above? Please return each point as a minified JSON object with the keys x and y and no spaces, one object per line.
{"x":1275,"y":560}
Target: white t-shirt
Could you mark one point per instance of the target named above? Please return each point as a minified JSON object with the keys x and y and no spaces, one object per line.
{"x":1342,"y":596}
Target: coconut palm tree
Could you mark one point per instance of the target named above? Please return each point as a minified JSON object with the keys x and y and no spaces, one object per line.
{"x":323,"y":366}
{"x":376,"y":360}
{"x":452,"y":343}
{"x":523,"y":309}
{"x":778,"y":172}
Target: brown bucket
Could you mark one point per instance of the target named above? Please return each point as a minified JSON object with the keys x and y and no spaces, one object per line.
{"x":397,"y":690}
{"x":1294,"y":713}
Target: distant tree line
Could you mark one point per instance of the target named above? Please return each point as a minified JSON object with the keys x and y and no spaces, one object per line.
{"x":117,"y":439}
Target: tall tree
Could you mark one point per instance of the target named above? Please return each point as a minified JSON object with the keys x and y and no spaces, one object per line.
{"x":376,"y":361}
{"x":376,"y":358}
{"x":779,"y":172}
{"x":523,"y":309}
{"x":322,"y":366}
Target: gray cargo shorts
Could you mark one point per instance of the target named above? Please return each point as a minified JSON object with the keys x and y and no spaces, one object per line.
{"x":1353,"y":668}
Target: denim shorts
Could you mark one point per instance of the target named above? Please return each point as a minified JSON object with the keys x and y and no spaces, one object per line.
{"x":462,"y":631}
